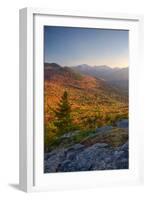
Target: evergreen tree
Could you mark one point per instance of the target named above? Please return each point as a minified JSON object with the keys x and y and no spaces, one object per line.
{"x":63,"y":120}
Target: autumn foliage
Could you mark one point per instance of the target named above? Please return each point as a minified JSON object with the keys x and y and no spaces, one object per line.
{"x":78,"y":102}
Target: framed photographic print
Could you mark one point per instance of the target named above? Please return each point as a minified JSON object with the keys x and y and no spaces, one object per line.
{"x":79,"y":105}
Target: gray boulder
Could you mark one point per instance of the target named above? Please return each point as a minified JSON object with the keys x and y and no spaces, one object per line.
{"x":103,"y":129}
{"x":70,"y":134}
{"x":52,"y":163}
{"x":122,"y":123}
{"x":76,"y":147}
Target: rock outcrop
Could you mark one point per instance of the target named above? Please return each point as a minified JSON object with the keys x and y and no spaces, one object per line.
{"x":99,"y":156}
{"x":122,"y":123}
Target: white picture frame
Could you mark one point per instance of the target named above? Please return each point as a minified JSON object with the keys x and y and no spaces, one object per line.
{"x":31,"y":176}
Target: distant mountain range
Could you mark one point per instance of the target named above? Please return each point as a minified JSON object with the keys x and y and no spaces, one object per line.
{"x":117,"y":77}
{"x":103,"y":71}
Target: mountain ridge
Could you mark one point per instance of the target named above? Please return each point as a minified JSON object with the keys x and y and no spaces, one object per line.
{"x":116,"y":77}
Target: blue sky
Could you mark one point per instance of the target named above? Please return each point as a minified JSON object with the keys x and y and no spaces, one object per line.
{"x":69,"y":46}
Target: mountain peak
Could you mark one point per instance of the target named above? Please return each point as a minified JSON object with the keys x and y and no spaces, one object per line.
{"x":83,"y":66}
{"x":50,"y":65}
{"x":103,"y":67}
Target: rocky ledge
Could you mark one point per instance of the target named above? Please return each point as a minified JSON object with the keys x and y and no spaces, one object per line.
{"x":99,"y":156}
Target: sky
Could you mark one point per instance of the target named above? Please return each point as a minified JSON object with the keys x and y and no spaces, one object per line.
{"x":71,"y":46}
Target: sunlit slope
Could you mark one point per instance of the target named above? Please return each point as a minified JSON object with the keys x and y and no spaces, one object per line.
{"x":90,"y":98}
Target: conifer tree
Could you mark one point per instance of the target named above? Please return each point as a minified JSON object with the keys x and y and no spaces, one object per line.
{"x":63,"y":120}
